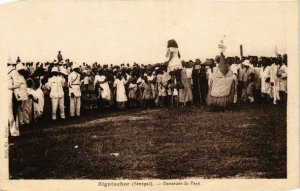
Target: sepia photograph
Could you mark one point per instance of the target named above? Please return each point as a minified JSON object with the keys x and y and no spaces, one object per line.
{"x":150,"y":90}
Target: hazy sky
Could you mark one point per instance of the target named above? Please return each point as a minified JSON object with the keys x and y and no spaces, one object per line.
{"x":127,"y":31}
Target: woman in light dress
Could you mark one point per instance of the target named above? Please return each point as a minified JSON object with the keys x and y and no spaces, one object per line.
{"x":132,"y":93}
{"x":174,"y":62}
{"x":104,"y":86}
{"x":265,"y":80}
{"x":121,"y":97}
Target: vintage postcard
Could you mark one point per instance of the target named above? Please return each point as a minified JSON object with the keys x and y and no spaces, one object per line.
{"x":149,"y":95}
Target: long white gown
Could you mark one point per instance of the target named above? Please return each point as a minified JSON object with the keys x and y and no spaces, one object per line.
{"x":283,"y":79}
{"x":175,"y":62}
{"x":105,"y":92}
{"x":275,"y":80}
{"x":39,"y":106}
{"x":265,"y":86}
{"x":13,"y":123}
{"x":121,"y":93}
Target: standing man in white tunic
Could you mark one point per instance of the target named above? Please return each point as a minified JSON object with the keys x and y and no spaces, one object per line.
{"x":74,"y":91}
{"x":274,"y":81}
{"x":265,"y":80}
{"x":282,"y":78}
{"x":55,"y":84}
{"x":21,"y":92}
{"x":13,"y":122}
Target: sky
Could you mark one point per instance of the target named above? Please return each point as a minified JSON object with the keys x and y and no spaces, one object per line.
{"x":115,"y":32}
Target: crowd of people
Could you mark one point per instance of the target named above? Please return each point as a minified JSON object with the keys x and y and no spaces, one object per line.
{"x":67,"y":87}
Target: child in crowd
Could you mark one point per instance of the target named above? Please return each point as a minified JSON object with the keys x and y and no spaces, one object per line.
{"x":121,"y":97}
{"x":147,"y":92}
{"x":39,"y":105}
{"x":132,"y":94}
{"x":32,"y":100}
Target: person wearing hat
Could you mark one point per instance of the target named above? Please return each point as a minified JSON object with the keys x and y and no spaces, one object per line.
{"x":55,"y":84}
{"x":12,"y":120}
{"x":21,"y":93}
{"x":74,"y":90}
{"x":17,"y":94}
{"x":248,"y":81}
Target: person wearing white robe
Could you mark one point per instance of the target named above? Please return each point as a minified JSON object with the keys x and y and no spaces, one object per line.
{"x":74,"y":91}
{"x":39,"y":106}
{"x":55,"y":84}
{"x":13,"y":122}
{"x":33,"y":109}
{"x":21,"y":93}
{"x":119,"y":84}
{"x":234,"y":69}
{"x":282,"y":71}
{"x":105,"y":90}
{"x":282,"y":78}
{"x":265,"y":80}
{"x":274,"y":82}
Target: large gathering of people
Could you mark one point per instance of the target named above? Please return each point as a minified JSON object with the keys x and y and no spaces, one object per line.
{"x":67,"y":87}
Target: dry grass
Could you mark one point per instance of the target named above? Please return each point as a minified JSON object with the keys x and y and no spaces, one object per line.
{"x":247,"y":142}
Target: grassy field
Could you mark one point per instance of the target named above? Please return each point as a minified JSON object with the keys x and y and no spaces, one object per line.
{"x":247,"y":142}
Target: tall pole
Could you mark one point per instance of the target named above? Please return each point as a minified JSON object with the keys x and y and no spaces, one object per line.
{"x":241,"y":50}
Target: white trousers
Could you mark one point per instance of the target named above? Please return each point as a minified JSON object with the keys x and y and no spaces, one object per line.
{"x":275,"y":91}
{"x":75,"y":104}
{"x":13,"y":124}
{"x":55,"y":103}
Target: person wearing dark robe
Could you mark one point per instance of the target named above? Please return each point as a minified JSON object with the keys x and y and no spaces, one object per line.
{"x":200,"y":83}
{"x":18,"y":60}
{"x":196,"y":82}
{"x":59,"y":57}
{"x":203,"y":83}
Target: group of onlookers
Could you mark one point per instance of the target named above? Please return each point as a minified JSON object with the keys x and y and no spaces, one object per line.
{"x":68,"y":87}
